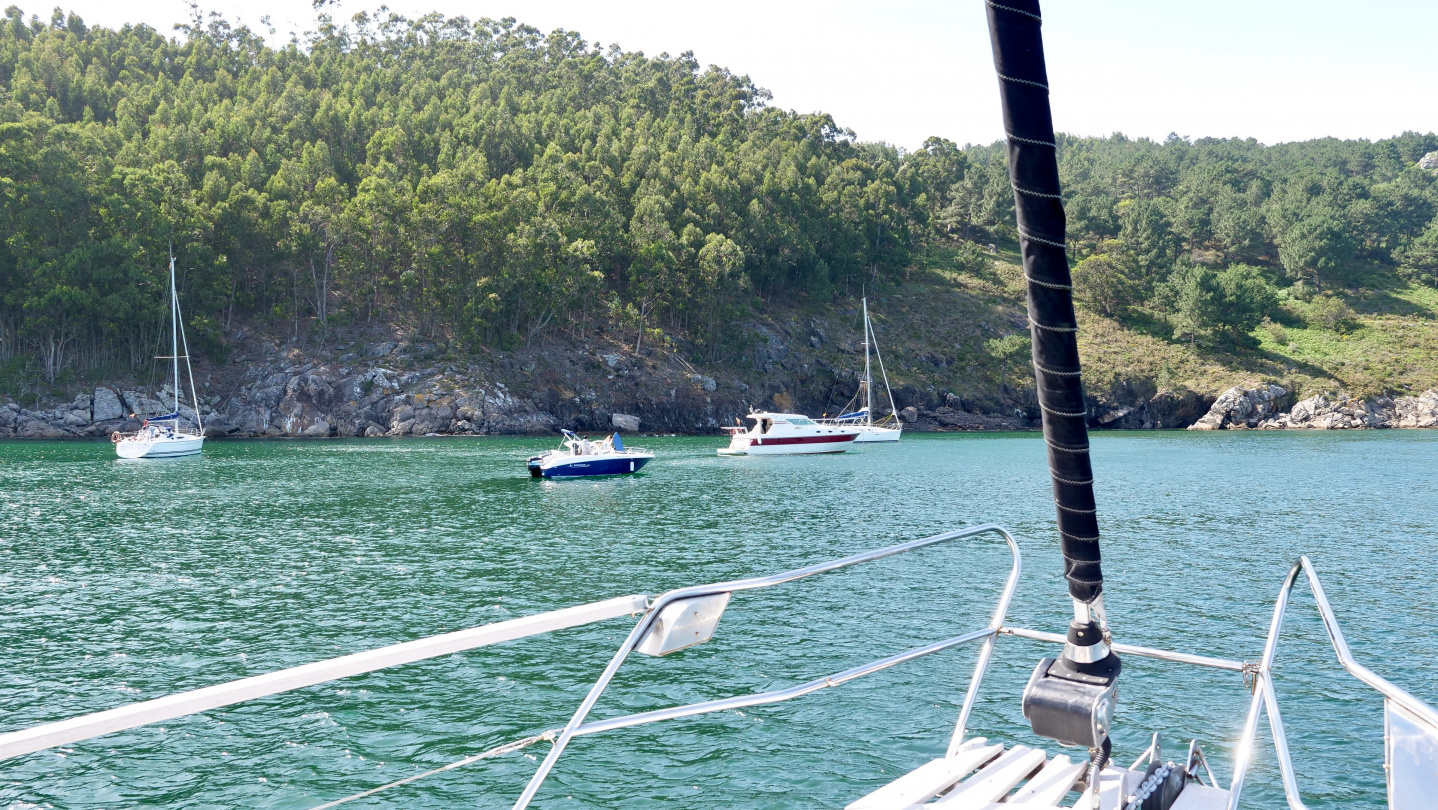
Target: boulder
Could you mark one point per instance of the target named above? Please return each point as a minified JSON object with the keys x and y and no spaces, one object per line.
{"x":1416,"y":412}
{"x":1240,"y":407}
{"x":1113,"y":415}
{"x":107,"y":405}
{"x":318,"y":429}
{"x":35,"y":429}
{"x":1178,"y":408}
{"x":707,"y":383}
{"x":1429,"y":161}
{"x":624,"y":421}
{"x":427,"y":421}
{"x":909,"y":414}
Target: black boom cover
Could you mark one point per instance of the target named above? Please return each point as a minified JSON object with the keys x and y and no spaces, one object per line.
{"x":1015,"y":28}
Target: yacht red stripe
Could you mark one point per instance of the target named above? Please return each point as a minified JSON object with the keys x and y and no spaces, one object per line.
{"x":767,"y":440}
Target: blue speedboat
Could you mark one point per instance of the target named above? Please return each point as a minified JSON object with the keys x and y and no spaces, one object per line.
{"x":578,"y":456}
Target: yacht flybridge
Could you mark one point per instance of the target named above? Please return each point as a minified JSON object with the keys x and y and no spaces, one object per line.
{"x":1071,"y":698}
{"x":167,"y":435}
{"x":885,"y":429}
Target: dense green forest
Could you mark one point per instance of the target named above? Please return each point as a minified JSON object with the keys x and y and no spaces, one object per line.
{"x":483,"y":183}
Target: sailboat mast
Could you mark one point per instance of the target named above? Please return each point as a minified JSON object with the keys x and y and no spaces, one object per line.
{"x":175,"y":331}
{"x":868,"y":374}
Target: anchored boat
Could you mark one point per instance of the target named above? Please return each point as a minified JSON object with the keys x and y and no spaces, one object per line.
{"x":580,"y":457}
{"x":168,"y":436}
{"x":885,"y":429}
{"x":787,"y":434}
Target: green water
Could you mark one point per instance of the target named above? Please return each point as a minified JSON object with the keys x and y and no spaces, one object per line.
{"x":121,"y":581}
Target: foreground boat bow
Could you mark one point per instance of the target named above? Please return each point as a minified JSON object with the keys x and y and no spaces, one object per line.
{"x":975,"y":772}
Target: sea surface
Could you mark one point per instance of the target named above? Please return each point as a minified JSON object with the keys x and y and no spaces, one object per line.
{"x":123,"y":581}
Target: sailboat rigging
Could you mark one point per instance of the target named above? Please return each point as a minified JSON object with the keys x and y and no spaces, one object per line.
{"x":886,"y":428}
{"x":168,"y":435}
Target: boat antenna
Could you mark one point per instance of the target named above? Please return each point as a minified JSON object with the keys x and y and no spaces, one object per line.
{"x":1070,"y":700}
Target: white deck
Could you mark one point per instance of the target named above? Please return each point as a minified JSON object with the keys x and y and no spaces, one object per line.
{"x":1020,"y":778}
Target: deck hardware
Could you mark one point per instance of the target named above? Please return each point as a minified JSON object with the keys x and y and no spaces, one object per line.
{"x":683,"y":624}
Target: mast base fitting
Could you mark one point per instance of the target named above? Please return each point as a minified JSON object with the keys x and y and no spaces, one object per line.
{"x":1070,"y":703}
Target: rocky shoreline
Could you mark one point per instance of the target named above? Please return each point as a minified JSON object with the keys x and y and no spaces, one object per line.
{"x":291,"y":395}
{"x":383,"y":392}
{"x":1260,"y":408}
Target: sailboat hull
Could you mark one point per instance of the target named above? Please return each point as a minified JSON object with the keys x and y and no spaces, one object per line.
{"x":159,"y":447}
{"x":874,"y":433}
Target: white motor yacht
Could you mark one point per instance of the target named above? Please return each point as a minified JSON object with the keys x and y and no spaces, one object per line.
{"x":787,"y":434}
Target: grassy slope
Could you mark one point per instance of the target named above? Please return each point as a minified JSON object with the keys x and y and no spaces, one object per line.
{"x":944,"y":310}
{"x":932,"y":328}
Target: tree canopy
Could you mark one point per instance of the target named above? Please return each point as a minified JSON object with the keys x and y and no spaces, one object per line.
{"x":487,"y":183}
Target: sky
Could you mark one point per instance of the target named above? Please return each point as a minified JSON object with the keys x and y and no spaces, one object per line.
{"x":903,"y":70}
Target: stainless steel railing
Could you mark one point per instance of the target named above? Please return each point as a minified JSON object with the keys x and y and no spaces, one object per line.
{"x":134,"y":715}
{"x":97,"y":724}
{"x":571,"y":729}
{"x":1264,"y":696}
{"x":75,"y":729}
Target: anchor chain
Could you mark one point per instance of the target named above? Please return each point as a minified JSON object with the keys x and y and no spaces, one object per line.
{"x":1149,"y":785}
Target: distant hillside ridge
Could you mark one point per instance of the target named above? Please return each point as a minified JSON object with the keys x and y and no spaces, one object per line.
{"x":490,"y":190}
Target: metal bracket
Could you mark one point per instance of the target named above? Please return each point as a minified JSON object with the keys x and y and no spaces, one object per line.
{"x":683,"y":623}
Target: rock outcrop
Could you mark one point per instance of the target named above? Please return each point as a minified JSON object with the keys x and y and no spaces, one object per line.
{"x":1344,"y":413}
{"x":1240,"y":407}
{"x":1258,"y":408}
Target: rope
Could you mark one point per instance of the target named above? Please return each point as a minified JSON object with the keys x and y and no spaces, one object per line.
{"x":1058,"y":373}
{"x":1049,"y":284}
{"x":493,"y":752}
{"x":1048,"y":328}
{"x":1066,"y":481}
{"x":1028,"y":14}
{"x":1075,"y":511}
{"x":1062,"y":413}
{"x":1043,"y":241}
{"x":1063,"y":449}
{"x":1022,"y":81}
{"x":1014,"y":137}
{"x":1020,"y":189}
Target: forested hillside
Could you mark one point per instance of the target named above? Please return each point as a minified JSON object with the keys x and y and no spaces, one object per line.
{"x":485,"y":186}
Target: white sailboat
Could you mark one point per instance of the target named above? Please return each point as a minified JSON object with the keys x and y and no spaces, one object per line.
{"x":886,"y":428}
{"x":163,"y":436}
